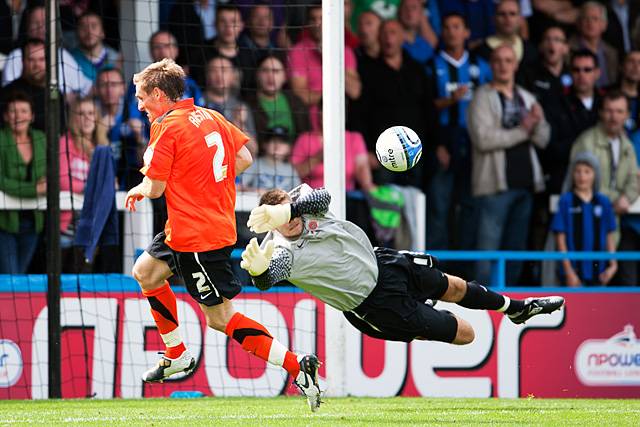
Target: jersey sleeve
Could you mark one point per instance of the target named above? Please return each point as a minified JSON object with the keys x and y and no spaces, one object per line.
{"x":159,"y":156}
{"x":278,"y":271}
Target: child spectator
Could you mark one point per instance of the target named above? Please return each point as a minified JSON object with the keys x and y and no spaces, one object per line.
{"x":272,"y":168}
{"x":585,"y":222}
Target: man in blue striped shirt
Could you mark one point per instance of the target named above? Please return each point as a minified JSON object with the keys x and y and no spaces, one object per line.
{"x":455,"y":73}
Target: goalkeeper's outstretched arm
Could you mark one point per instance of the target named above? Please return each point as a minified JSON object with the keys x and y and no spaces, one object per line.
{"x":313,"y":203}
{"x":268,"y":217}
{"x":279,"y":270}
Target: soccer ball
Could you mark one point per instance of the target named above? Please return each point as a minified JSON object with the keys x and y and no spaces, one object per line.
{"x":398,"y":148}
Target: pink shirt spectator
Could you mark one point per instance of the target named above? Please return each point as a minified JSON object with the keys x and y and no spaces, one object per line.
{"x":310,"y":143}
{"x":305,"y":60}
{"x":74,"y":169}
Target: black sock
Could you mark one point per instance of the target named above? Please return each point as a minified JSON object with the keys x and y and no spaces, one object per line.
{"x":515,"y":306}
{"x":479,"y":297}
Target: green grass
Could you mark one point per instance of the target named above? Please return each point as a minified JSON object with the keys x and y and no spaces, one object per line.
{"x":292,"y":411}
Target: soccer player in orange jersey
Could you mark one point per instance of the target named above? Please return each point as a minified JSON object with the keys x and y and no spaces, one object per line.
{"x":193,"y":157}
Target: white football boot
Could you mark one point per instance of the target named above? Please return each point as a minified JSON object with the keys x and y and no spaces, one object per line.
{"x":307,"y":380}
{"x":167,"y":367}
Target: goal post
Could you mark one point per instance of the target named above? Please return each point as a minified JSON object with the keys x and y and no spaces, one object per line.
{"x":333,"y":129}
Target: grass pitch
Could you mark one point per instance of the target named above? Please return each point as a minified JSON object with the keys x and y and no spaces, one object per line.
{"x":293,"y":411}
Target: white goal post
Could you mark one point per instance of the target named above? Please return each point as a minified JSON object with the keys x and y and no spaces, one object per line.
{"x":333,"y":119}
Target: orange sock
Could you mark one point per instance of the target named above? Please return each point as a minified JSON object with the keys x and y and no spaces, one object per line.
{"x":254,"y":338}
{"x":165,"y":313}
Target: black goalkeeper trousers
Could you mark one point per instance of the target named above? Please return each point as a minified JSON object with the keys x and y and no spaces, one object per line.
{"x":396,"y":309}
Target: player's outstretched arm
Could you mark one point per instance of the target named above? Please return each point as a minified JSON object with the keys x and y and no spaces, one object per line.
{"x":314,"y":203}
{"x":269,"y":217}
{"x":267,"y":266}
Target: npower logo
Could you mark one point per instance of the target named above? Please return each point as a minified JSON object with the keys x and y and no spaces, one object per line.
{"x":613,"y":361}
{"x":10,"y":363}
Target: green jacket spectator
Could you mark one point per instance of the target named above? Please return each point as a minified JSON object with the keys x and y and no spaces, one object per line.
{"x":17,"y":179}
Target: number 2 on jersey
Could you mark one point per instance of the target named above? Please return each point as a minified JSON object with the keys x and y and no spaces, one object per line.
{"x":219,"y":170}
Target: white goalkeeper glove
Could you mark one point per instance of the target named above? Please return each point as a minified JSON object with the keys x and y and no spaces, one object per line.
{"x":268,"y":217}
{"x":256,"y":260}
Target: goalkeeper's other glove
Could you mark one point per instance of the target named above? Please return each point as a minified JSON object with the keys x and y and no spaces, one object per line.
{"x":256,"y":260}
{"x":268,"y":217}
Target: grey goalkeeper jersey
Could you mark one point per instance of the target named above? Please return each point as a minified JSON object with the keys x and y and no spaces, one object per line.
{"x":332,"y":259}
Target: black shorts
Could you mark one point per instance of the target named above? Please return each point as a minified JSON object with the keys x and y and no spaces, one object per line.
{"x":207,"y":275}
{"x":396,"y":310}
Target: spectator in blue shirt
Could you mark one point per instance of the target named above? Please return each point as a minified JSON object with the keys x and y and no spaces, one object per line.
{"x":585,"y":221}
{"x":455,"y":73}
{"x":420,"y":39}
{"x":478,"y":14}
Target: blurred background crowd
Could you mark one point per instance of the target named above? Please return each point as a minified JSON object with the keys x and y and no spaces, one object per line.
{"x":528,"y":111}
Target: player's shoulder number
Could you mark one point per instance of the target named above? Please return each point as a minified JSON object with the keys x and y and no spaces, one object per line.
{"x":219,"y":170}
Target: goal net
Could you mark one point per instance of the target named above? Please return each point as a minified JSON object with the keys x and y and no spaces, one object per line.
{"x":256,"y":63}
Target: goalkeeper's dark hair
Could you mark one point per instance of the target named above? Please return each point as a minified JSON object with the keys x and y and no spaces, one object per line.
{"x":274,"y":197}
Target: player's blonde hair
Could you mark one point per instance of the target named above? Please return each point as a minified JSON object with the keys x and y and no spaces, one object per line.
{"x":166,"y":75}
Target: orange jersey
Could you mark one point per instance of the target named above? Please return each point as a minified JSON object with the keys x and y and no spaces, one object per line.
{"x":194,"y":149}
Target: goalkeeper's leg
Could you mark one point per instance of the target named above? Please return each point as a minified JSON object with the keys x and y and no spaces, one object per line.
{"x":475,"y":296}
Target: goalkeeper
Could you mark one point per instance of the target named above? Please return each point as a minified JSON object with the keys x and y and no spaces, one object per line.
{"x":382,"y":292}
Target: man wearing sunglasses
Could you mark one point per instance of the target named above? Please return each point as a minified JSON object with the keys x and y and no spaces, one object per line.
{"x":591,"y":24}
{"x":569,"y":114}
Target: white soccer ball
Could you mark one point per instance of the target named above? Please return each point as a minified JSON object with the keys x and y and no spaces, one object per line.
{"x":398,"y":148}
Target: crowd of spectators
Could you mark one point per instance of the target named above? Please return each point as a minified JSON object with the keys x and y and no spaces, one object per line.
{"x":517,"y":102}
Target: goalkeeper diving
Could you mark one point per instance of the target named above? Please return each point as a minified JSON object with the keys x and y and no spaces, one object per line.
{"x":384,"y":293}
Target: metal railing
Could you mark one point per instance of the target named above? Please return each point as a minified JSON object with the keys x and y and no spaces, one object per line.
{"x":499,"y":259}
